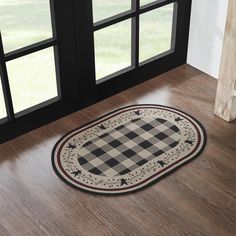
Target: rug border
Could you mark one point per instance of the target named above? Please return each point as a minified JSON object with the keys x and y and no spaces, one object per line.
{"x":148,"y":184}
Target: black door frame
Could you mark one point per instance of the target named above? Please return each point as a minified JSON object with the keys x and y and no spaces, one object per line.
{"x":73,"y":43}
{"x":65,"y":59}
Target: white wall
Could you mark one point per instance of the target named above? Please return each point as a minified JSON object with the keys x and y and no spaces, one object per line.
{"x":207,"y":27}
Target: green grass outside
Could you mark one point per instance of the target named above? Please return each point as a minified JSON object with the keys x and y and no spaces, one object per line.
{"x":32,"y":78}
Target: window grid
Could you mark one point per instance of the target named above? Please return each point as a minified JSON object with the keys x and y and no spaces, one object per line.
{"x":4,"y":58}
{"x":134,"y":15}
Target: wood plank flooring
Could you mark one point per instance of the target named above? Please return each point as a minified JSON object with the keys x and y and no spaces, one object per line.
{"x":197,"y":199}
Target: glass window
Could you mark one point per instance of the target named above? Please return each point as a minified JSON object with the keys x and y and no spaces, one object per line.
{"x":155,"y":32}
{"x":112,"y":48}
{"x":32,"y":79}
{"x":24,"y":22}
{"x":105,"y":8}
{"x":144,"y":2}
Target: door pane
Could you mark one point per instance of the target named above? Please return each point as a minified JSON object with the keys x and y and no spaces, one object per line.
{"x":103,"y":8}
{"x":144,"y":2}
{"x":112,"y":48}
{"x":24,"y":22}
{"x":32,"y":79}
{"x":2,"y":103}
{"x":155,"y":32}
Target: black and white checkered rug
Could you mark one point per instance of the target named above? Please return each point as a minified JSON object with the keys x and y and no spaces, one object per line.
{"x":127,"y":149}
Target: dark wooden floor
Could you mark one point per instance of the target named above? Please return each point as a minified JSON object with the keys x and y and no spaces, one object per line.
{"x":197,"y":199}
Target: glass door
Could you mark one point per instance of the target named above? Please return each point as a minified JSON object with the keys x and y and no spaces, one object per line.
{"x":57,"y":57}
{"x":27,"y":46}
{"x":130,"y":41}
{"x":130,"y":33}
{"x":32,"y":75}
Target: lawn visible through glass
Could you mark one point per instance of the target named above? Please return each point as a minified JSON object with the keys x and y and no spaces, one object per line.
{"x":24,"y":22}
{"x":155,"y":32}
{"x":106,"y":8}
{"x":144,"y":2}
{"x":32,"y":79}
{"x":112,"y":48}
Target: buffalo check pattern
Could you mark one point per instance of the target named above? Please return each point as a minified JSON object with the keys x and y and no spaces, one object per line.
{"x":127,"y":149}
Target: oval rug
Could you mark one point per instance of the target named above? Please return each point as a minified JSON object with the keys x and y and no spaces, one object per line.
{"x":127,"y":149}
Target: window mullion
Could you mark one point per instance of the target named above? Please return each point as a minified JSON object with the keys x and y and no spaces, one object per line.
{"x":30,"y":49}
{"x":135,"y":34}
{"x":5,"y":83}
{"x":174,"y":26}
